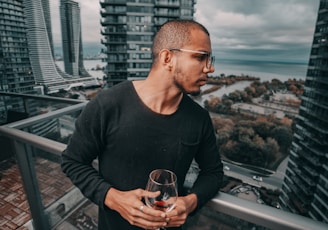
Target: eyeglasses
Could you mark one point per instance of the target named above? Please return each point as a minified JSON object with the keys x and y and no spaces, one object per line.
{"x":209,"y":61}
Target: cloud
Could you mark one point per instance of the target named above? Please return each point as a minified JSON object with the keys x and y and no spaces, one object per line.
{"x":259,"y":29}
{"x":252,"y":29}
{"x":90,"y":17}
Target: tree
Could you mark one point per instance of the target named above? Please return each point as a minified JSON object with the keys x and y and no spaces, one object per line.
{"x":250,"y":91}
{"x":260,"y":90}
{"x":271,"y":152}
{"x":222,"y":137}
{"x":283,"y":136}
{"x":220,"y":124}
{"x":234,"y":96}
{"x":263,"y":128}
{"x":230,"y":150}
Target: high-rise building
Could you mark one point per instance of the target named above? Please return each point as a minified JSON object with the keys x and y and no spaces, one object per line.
{"x":128,"y":29}
{"x":305,"y":187}
{"x":45,"y":71}
{"x":15,"y":68}
{"x":72,"y":38}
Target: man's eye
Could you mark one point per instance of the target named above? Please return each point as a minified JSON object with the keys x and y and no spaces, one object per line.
{"x":202,"y":57}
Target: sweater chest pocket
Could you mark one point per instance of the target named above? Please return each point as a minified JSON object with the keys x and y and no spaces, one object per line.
{"x":187,"y":152}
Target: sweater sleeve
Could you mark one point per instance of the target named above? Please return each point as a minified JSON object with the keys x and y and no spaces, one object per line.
{"x":82,"y":149}
{"x":210,"y":175}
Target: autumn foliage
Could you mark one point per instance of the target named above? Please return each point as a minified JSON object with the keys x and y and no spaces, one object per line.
{"x":262,"y":141}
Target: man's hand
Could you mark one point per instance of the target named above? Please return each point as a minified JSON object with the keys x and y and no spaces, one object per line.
{"x":184,"y":206}
{"x":129,"y":205}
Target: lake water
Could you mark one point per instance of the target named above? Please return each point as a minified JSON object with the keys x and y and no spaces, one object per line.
{"x":220,"y":92}
{"x":265,"y":70}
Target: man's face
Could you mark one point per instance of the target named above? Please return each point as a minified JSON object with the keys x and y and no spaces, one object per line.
{"x":191,"y":68}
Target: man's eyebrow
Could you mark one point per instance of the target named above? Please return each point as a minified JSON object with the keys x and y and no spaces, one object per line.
{"x":205,"y":53}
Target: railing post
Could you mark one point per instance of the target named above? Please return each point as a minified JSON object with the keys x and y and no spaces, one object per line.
{"x":26,"y":167}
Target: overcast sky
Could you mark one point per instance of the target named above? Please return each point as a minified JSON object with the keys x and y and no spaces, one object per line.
{"x":279,"y":30}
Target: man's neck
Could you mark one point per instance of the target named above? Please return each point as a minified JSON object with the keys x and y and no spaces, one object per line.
{"x":158,"y":97}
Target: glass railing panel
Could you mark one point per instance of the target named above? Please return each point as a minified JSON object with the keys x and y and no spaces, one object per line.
{"x":59,"y":196}
{"x":58,"y":128}
{"x":11,"y":109}
{"x":15,"y":107}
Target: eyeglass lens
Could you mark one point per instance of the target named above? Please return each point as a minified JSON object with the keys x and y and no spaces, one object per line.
{"x":210,"y":61}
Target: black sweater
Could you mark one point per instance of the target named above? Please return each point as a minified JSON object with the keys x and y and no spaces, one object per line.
{"x":130,"y":141}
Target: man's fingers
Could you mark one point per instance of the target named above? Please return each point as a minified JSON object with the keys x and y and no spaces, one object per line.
{"x":144,"y":193}
{"x":151,"y":194}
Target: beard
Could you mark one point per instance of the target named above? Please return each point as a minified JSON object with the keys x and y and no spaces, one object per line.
{"x":182,"y":88}
{"x":195,"y":94}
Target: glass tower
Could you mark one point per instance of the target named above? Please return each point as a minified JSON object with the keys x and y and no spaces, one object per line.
{"x":305,"y":187}
{"x":72,"y":38}
{"x":128,"y":29}
{"x":15,"y":68}
{"x":46,"y":72}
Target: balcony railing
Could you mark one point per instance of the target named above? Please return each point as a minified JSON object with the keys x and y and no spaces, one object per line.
{"x":29,"y":149}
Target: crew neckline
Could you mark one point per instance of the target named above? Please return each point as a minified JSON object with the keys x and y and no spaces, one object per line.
{"x":138,"y":99}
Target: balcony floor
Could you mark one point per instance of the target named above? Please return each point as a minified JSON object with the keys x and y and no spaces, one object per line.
{"x":14,"y":208}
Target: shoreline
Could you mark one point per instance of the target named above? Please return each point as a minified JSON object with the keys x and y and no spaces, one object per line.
{"x":264,"y":70}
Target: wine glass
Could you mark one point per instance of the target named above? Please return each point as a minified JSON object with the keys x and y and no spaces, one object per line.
{"x":165,"y":181}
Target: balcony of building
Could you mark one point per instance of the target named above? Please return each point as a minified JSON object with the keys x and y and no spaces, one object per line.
{"x":104,"y":3}
{"x":110,"y":12}
{"x":35,"y":194}
{"x":120,"y":30}
{"x":166,"y":13}
{"x":110,"y":21}
{"x":167,"y":3}
{"x":312,"y":149}
{"x":315,"y":161}
{"x":323,"y":9}
{"x":140,"y":3}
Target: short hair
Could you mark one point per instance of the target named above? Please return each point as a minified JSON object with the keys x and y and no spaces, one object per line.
{"x":174,"y":34}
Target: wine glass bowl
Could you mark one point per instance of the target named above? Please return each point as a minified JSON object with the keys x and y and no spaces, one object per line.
{"x":164,"y":181}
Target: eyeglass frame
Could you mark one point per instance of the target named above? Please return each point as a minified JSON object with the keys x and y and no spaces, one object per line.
{"x":210,"y":58}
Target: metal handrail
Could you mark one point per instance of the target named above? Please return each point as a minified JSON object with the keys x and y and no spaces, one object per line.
{"x":224,"y":203}
{"x":43,"y":117}
{"x":42,"y":97}
{"x":38,"y":142}
{"x":262,"y":215}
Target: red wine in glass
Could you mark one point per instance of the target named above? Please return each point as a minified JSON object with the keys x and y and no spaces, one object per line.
{"x":164,"y":181}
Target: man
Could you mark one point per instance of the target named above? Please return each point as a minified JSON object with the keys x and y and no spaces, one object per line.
{"x":136,"y":127}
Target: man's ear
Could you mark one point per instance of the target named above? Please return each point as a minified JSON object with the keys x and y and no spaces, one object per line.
{"x":166,"y":58}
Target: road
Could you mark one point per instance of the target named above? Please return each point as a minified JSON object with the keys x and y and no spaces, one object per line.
{"x":273,"y":181}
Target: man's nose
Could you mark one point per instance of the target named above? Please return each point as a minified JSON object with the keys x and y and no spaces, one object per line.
{"x":209,"y":70}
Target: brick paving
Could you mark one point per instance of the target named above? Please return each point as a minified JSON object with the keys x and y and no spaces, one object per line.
{"x":53,"y":184}
{"x":14,"y":208}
